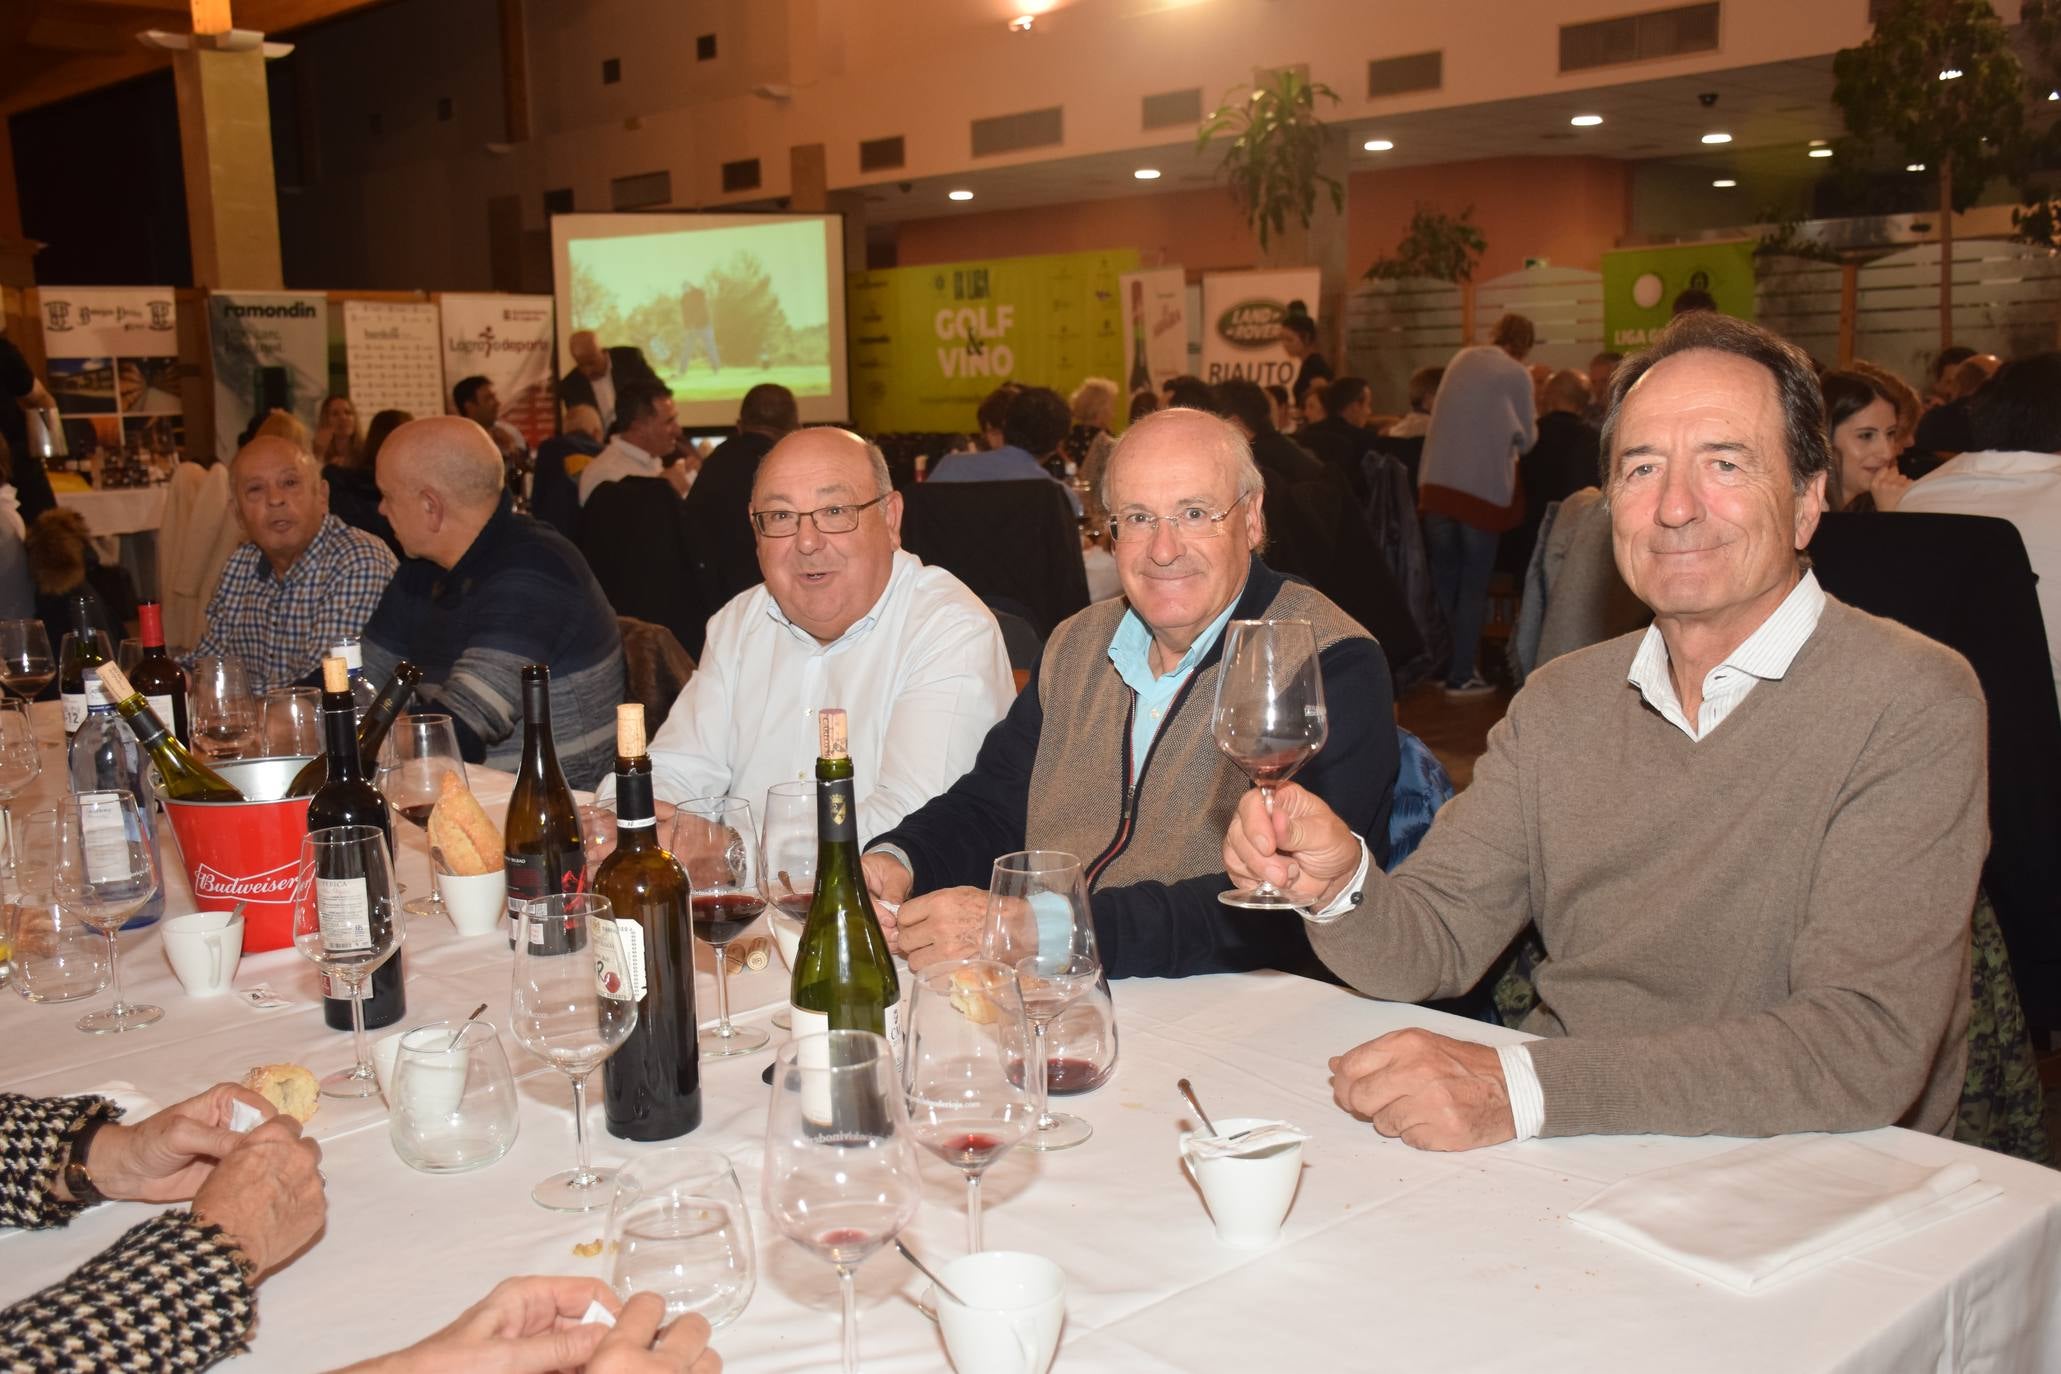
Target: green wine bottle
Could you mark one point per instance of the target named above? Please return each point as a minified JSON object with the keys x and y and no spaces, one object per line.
{"x":844,"y":977}
{"x":184,"y":777}
{"x":372,"y":731}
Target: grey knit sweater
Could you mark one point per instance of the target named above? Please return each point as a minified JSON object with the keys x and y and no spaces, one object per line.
{"x":1760,"y":932}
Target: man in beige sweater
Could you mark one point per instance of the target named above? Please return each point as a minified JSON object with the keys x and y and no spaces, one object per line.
{"x":1749,"y":835}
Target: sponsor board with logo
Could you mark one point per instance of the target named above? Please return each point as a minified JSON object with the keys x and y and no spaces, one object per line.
{"x":1155,"y":329}
{"x":271,"y":351}
{"x":394,"y":357}
{"x":507,"y":340}
{"x":1640,"y":286}
{"x":1241,"y":324}
{"x":112,"y":366}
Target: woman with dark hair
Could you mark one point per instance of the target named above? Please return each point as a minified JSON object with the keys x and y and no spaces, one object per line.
{"x":353,"y":490}
{"x":1861,"y":421}
{"x":1299,"y":341}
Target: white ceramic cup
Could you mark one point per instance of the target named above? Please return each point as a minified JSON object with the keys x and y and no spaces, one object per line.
{"x":478,"y":903}
{"x":1248,"y":1195}
{"x":1011,"y":1310}
{"x":203,"y":948}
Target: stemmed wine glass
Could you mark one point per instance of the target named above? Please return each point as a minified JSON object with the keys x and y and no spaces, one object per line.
{"x":840,"y":1175}
{"x":1269,"y":717}
{"x":343,"y":923}
{"x":1039,"y":923}
{"x":713,"y":841}
{"x":787,"y":867}
{"x":962,"y":1070}
{"x":105,"y":874}
{"x":225,"y":718}
{"x":291,"y":722}
{"x":20,"y":758}
{"x":418,"y":754}
{"x":565,"y":1016}
{"x":26,"y":664}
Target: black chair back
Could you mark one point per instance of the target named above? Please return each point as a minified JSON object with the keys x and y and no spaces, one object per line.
{"x":1013,"y":541}
{"x":633,"y":536}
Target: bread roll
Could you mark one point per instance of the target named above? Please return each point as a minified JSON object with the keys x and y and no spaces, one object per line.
{"x":460,"y":830}
{"x":289,"y":1087}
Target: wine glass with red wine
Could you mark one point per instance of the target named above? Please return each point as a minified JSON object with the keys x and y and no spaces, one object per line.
{"x":713,"y":840}
{"x":1269,"y":717}
{"x":965,"y":1043}
{"x":420,"y":751}
{"x":26,"y":663}
{"x":840,"y":1177}
{"x":787,"y":867}
{"x":1040,"y":924}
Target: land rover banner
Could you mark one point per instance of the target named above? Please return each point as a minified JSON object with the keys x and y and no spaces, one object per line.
{"x":1241,"y":323}
{"x":271,"y":352}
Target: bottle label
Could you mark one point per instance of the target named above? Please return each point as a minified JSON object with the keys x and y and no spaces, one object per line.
{"x":837,"y":820}
{"x":619,"y":958}
{"x":74,"y":711}
{"x":104,"y":838}
{"x":815,"y":1088}
{"x":163,"y":706}
{"x":345,"y":914}
{"x":531,"y":876}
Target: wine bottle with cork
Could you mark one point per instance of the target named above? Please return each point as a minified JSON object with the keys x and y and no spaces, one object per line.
{"x":185,"y":778}
{"x":844,"y":976}
{"x":347,"y":797}
{"x":373,"y":727}
{"x":652,"y":1084}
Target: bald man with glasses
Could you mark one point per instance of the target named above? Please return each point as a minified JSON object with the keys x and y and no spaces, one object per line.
{"x":1108,"y":754}
{"x":845,"y":617}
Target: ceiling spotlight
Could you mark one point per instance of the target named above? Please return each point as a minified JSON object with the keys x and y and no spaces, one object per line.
{"x":1586,"y":121}
{"x":1915,"y":167}
{"x":1377,"y":145}
{"x":958,"y":195}
{"x":1724,"y":183}
{"x":2054,"y":95}
{"x":1717,"y":138}
{"x":1950,"y":74}
{"x":1820,"y":152}
{"x":1022,"y":23}
{"x":1147,"y":174}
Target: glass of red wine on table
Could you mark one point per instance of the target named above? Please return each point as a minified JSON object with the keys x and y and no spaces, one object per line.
{"x":787,"y":867}
{"x":1040,"y":925}
{"x":419,"y":752}
{"x":713,"y":840}
{"x":26,"y":663}
{"x":1269,"y":718}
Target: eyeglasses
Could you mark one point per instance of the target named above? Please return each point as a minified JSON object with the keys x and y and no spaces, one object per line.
{"x":785,"y":524}
{"x":1190,"y":522}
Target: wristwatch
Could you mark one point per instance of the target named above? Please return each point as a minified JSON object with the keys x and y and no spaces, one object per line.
{"x":77,"y":1180}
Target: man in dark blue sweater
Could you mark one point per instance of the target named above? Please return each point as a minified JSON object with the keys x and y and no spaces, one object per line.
{"x":484,"y":592}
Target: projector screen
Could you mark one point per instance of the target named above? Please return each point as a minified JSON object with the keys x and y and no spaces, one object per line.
{"x":717,"y":303}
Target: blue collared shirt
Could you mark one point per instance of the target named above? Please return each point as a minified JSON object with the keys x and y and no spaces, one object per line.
{"x":1005,"y":464}
{"x":1130,"y":649}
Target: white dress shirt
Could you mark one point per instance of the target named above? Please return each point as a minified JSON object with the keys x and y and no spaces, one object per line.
{"x":619,"y":460}
{"x":2024,"y":488}
{"x":1762,"y":656}
{"x":922,"y":678}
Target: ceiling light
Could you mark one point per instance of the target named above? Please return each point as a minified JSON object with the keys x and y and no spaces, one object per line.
{"x":1147,"y":174}
{"x":1915,"y":167}
{"x":1377,"y":145}
{"x":1820,"y":152}
{"x":1717,"y":138}
{"x":2054,"y":95}
{"x":1817,"y":143}
{"x":958,"y":195}
{"x":1950,"y":74}
{"x":1022,"y":23}
{"x":1586,"y":121}
{"x":1724,"y":183}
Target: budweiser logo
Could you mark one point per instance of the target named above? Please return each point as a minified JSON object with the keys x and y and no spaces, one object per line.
{"x":271,"y":886}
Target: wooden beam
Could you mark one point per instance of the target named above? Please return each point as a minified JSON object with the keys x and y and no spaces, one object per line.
{"x":178,"y":7}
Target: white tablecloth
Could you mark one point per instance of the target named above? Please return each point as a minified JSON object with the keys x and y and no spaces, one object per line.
{"x":118,"y":510}
{"x":1390,"y":1259}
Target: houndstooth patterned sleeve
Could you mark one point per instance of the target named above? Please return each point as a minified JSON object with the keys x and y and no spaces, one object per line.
{"x":32,"y":1149}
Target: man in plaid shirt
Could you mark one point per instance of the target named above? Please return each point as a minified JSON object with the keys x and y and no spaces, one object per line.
{"x":301,"y":581}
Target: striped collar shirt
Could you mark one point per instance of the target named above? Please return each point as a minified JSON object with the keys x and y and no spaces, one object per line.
{"x":1762,"y":656}
{"x":281,"y":626}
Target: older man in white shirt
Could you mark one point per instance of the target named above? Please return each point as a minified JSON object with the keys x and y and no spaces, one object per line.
{"x":647,"y":429}
{"x":844,"y":618}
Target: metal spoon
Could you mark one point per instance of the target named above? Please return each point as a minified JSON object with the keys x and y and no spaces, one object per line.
{"x":924,"y":1269}
{"x":1188,"y":1091}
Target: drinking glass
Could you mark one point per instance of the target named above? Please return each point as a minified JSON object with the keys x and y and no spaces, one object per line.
{"x":57,"y":957}
{"x":290,"y":722}
{"x":21,"y":760}
{"x":343,"y":923}
{"x":453,"y":1098}
{"x":565,"y":1017}
{"x":26,"y":663}
{"x":224,"y":718}
{"x":1269,"y":717}
{"x":1039,"y":923}
{"x":679,"y":1228}
{"x":840,"y":1175}
{"x":963,"y":1054}
{"x":712,"y":839}
{"x":787,"y":868}
{"x":105,"y":874}
{"x":419,"y":752}
{"x":128,"y":654}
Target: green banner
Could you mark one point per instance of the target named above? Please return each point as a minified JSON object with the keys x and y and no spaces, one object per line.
{"x":1640,"y":286}
{"x":927,"y":343}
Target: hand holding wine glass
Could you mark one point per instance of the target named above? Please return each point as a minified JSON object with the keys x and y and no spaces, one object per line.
{"x":343,"y":923}
{"x":713,"y":841}
{"x":1269,"y":717}
{"x":1040,"y":924}
{"x":966,"y":1048}
{"x":105,"y":874}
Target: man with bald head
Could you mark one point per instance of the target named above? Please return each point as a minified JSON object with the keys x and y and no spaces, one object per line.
{"x":599,"y":374}
{"x":301,"y":580}
{"x":1108,"y":753}
{"x":485,"y":592}
{"x":845,"y":617}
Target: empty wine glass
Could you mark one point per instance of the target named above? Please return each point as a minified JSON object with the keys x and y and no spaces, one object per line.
{"x":1269,"y":717}
{"x":713,"y":841}
{"x":787,"y":868}
{"x":57,"y":957}
{"x":963,"y":1059}
{"x":26,"y":663}
{"x":565,"y":1016}
{"x":343,"y":923}
{"x":420,"y":751}
{"x":1040,"y":924}
{"x":106,"y":872}
{"x":679,"y":1228}
{"x":290,"y":722}
{"x":840,"y":1175}
{"x":128,"y":654}
{"x":21,"y":759}
{"x":224,"y":717}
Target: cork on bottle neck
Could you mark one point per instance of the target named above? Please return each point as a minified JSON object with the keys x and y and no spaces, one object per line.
{"x":336,"y":675}
{"x":629,"y":731}
{"x":115,"y":681}
{"x":830,"y":732}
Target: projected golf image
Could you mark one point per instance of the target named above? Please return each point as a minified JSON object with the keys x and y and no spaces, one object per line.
{"x":717,"y":310}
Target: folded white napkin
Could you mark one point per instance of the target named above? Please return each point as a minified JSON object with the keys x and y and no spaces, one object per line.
{"x":134,"y":1102}
{"x":1776,"y":1208}
{"x":1247,"y":1140}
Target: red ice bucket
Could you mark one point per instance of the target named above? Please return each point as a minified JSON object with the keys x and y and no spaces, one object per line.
{"x":247,"y":851}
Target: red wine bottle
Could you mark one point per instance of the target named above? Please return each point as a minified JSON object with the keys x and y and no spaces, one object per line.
{"x":373,"y":727}
{"x":161,"y":682}
{"x":651,"y":1085}
{"x":544,"y":855}
{"x":347,"y":798}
